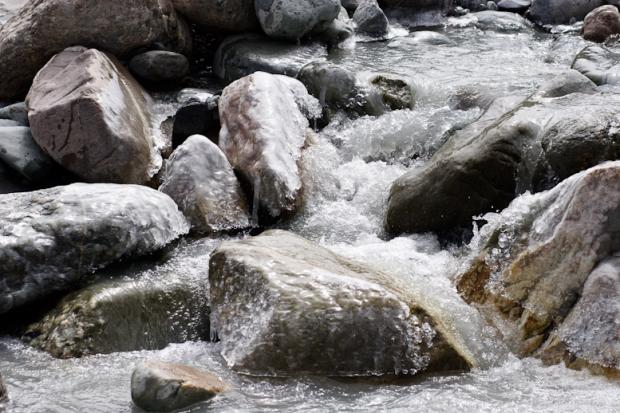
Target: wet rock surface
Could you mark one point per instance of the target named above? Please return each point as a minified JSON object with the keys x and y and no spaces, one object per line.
{"x":320,"y":314}
{"x":534,"y":271}
{"x":52,"y":238}
{"x":19,"y":151}
{"x":600,"y":64}
{"x":199,"y":178}
{"x":264,"y":128}
{"x":370,"y":19}
{"x":89,"y":114}
{"x":158,"y":386}
{"x":229,"y":15}
{"x":601,"y":23}
{"x":43,"y":28}
{"x":293,"y":19}
{"x":159,"y":66}
{"x":125,"y":315}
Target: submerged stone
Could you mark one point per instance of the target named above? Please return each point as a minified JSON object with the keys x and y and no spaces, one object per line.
{"x":285,"y":306}
{"x":157,"y":386}
{"x":52,"y":238}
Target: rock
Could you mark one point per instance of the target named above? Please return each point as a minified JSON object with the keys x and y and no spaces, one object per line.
{"x":10,"y":123}
{"x":159,"y":66}
{"x":563,"y":11}
{"x":293,"y":19}
{"x":418,"y":13}
{"x":264,"y":128}
{"x":240,"y":56}
{"x":10,"y":182}
{"x":321,"y":314}
{"x":54,"y":237}
{"x":501,"y":21}
{"x":423,"y":36}
{"x":157,"y":386}
{"x":200,"y":180}
{"x":601,"y":23}
{"x":43,"y":28}
{"x":3,"y":393}
{"x":90,"y":115}
{"x":229,"y":15}
{"x":370,"y":19}
{"x":515,"y":6}
{"x":588,"y":336}
{"x":336,"y":31}
{"x":491,"y":5}
{"x":481,"y":168}
{"x":395,"y":92}
{"x":599,"y":64}
{"x":17,"y":112}
{"x":350,"y":5}
{"x":125,"y":315}
{"x":333,"y":85}
{"x":19,"y":151}
{"x":534,"y":270}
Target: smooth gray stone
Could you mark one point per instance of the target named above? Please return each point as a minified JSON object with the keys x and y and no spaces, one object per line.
{"x":17,"y":112}
{"x":21,"y":152}
{"x":159,"y":66}
{"x":293,"y":19}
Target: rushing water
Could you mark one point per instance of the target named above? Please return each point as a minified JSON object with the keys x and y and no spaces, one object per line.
{"x":347,"y":175}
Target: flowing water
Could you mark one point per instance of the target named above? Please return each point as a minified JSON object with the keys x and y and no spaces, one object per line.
{"x":347,"y":174}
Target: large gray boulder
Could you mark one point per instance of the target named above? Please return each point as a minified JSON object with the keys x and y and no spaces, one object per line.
{"x":229,"y":15}
{"x":563,"y":11}
{"x":370,"y":19}
{"x":90,"y":115}
{"x":43,"y":28}
{"x":601,"y":64}
{"x":285,"y":306}
{"x":157,"y":386}
{"x":199,"y":178}
{"x":19,"y":151}
{"x":531,"y":145}
{"x":242,"y":55}
{"x":124,"y":315}
{"x":293,"y":19}
{"x":52,"y":238}
{"x":534,"y":271}
{"x":264,"y":128}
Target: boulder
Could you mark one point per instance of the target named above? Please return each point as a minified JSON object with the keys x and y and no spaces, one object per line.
{"x":334,"y":32}
{"x":333,"y":85}
{"x":515,"y":6}
{"x":54,"y":237}
{"x":19,"y":151}
{"x":90,"y":115}
{"x":534,"y":271}
{"x":264,"y":128}
{"x":3,"y":393}
{"x":43,"y":28}
{"x":293,"y":19}
{"x":531,"y":145}
{"x":370,"y":19}
{"x":563,"y":11}
{"x":228,"y":15}
{"x":601,"y":23}
{"x":159,"y":66}
{"x":501,"y":21}
{"x":124,"y":315}
{"x":242,"y":55}
{"x":157,"y":386}
{"x":321,"y":314}
{"x":199,"y":178}
{"x":17,"y":112}
{"x":600,"y":64}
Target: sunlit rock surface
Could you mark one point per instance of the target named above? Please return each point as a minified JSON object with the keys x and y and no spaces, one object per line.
{"x":92,"y":117}
{"x":531,"y":146}
{"x":124,"y":315}
{"x":43,"y":28}
{"x":533,"y":269}
{"x":201,"y":181}
{"x":229,"y":15}
{"x":158,"y":386}
{"x":242,"y":55}
{"x":52,"y":238}
{"x":601,"y":23}
{"x":264,"y":128}
{"x":285,"y":306}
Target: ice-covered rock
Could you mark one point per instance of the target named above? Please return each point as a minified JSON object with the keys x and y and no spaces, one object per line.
{"x":89,"y":114}
{"x":43,"y":28}
{"x":157,"y":386}
{"x":124,"y":315}
{"x":242,"y":55}
{"x":293,"y":19}
{"x":534,"y":270}
{"x":284,"y":306}
{"x":199,"y":178}
{"x":50,"y":239}
{"x":229,"y":15}
{"x":264,"y":128}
